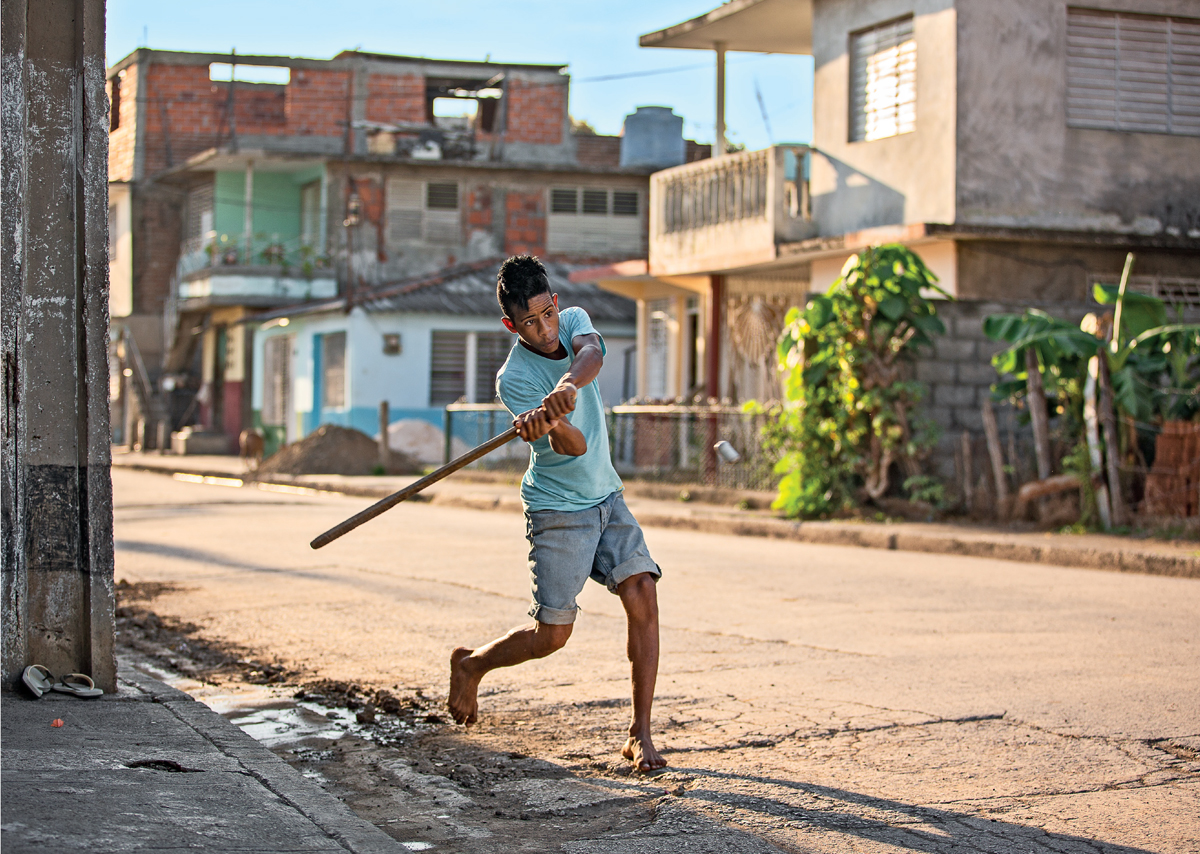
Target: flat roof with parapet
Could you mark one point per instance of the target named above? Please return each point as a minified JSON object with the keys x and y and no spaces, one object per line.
{"x":183,"y":57}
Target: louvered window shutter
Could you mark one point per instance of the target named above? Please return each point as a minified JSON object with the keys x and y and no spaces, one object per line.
{"x":1133,"y":72}
{"x":883,"y":81}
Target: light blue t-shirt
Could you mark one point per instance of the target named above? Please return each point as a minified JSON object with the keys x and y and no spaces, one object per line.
{"x":554,"y":481}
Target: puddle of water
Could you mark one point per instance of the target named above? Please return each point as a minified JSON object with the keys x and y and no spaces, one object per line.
{"x":281,"y":723}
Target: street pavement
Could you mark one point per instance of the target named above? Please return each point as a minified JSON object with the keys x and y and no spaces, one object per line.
{"x":813,"y":698}
{"x":735,"y":512}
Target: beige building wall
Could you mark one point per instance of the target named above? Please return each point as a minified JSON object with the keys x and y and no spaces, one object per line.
{"x":1019,"y":164}
{"x":120,"y":251}
{"x":903,"y":179}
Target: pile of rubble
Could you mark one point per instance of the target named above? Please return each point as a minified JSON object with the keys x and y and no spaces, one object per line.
{"x":336,"y":450}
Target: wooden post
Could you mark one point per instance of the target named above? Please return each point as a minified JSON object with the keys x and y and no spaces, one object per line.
{"x":1035,"y":397}
{"x":385,"y":451}
{"x":992,"y":432}
{"x":1092,"y":428}
{"x":1108,"y":420}
{"x":968,"y":472}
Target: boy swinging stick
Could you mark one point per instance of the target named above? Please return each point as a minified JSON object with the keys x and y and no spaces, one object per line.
{"x":577,"y":523}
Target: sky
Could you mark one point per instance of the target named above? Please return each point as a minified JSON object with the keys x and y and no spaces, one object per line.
{"x":595,"y":41}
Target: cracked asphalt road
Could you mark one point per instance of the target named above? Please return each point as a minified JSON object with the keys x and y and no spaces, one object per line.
{"x":814,"y":699}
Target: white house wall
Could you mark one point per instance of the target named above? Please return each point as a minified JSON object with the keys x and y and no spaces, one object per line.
{"x":403,"y":380}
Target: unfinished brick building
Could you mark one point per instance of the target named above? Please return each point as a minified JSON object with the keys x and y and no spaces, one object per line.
{"x":240,"y":183}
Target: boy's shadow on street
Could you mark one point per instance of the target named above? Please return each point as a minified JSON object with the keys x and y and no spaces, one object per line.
{"x":858,"y":815}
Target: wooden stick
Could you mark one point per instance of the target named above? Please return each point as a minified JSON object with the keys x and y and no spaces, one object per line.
{"x":968,"y":472}
{"x":1092,"y":428}
{"x":1112,"y":451}
{"x":413,"y":488}
{"x":992,"y":432}
{"x":1035,"y":397}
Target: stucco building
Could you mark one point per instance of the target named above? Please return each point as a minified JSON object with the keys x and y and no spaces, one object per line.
{"x":1021,"y":147}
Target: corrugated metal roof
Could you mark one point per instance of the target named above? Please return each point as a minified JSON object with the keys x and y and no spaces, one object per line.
{"x":470,"y":289}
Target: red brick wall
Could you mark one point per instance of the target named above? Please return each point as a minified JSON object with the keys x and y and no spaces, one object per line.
{"x":536,"y":112}
{"x":525,"y":222}
{"x":157,"y":231}
{"x":316,"y":102}
{"x":598,"y":150}
{"x":394,"y":98}
{"x":183,"y":112}
{"x":478,"y":208}
{"x":186,"y":112}
{"x":121,"y":141}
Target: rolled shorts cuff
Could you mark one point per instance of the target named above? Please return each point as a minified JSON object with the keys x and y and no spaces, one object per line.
{"x":634,"y":566}
{"x":553,"y":616}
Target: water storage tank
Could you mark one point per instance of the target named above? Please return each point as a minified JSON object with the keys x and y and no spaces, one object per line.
{"x":653,"y":137}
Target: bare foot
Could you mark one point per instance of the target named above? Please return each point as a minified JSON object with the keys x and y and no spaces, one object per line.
{"x":464,"y":687}
{"x":640,"y":751}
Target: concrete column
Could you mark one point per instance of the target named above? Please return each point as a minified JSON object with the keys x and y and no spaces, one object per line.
{"x":56,"y":510}
{"x":248,"y":214}
{"x":471,"y":358}
{"x":719,"y":145}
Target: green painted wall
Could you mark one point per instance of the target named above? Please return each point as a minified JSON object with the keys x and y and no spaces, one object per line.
{"x":276,"y":202}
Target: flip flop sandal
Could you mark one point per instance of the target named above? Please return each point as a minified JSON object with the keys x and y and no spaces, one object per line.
{"x":37,"y":679}
{"x":78,"y":684}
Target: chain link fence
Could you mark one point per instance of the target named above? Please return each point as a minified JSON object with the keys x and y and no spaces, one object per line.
{"x":667,"y":443}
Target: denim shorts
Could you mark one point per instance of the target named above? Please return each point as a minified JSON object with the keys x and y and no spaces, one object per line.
{"x":603,"y":542}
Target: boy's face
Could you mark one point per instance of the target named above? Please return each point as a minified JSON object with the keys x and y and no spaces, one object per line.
{"x":537,"y":324}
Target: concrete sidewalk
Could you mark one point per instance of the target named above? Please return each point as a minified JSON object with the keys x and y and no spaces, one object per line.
{"x":149,"y":768}
{"x":1085,"y":551}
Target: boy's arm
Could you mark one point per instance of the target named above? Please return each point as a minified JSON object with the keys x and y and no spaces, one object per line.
{"x":565,"y":438}
{"x":585,"y":367}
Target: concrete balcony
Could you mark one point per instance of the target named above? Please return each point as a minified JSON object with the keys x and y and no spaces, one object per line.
{"x":265,"y":273}
{"x":729,"y":212}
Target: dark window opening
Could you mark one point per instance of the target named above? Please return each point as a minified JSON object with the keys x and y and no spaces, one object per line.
{"x":114,"y":110}
{"x":625,"y":203}
{"x":486,"y":92}
{"x":595,"y":201}
{"x":441,"y":197}
{"x":564,"y":201}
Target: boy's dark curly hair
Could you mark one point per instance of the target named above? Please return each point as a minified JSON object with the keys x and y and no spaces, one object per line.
{"x":520,"y":277}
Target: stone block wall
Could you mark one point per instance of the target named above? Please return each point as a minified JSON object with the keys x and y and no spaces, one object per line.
{"x":959,"y":375}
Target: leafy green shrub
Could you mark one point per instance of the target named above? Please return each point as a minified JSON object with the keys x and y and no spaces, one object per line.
{"x":848,"y":413}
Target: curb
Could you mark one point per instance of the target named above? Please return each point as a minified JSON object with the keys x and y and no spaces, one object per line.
{"x":282,"y":780}
{"x":818,"y":533}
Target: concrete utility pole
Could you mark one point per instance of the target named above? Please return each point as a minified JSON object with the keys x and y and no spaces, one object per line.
{"x":56,"y":510}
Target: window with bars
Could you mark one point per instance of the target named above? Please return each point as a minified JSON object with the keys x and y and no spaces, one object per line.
{"x":448,"y":368}
{"x":277,"y":383}
{"x":625,"y":203}
{"x":595,"y":202}
{"x":333,"y":370}
{"x":442,"y":196}
{"x":594,"y":219}
{"x":423,"y":212}
{"x":563,"y":200}
{"x":459,"y":358}
{"x":491,"y":350}
{"x":883,"y":81}
{"x":1131,"y":72}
